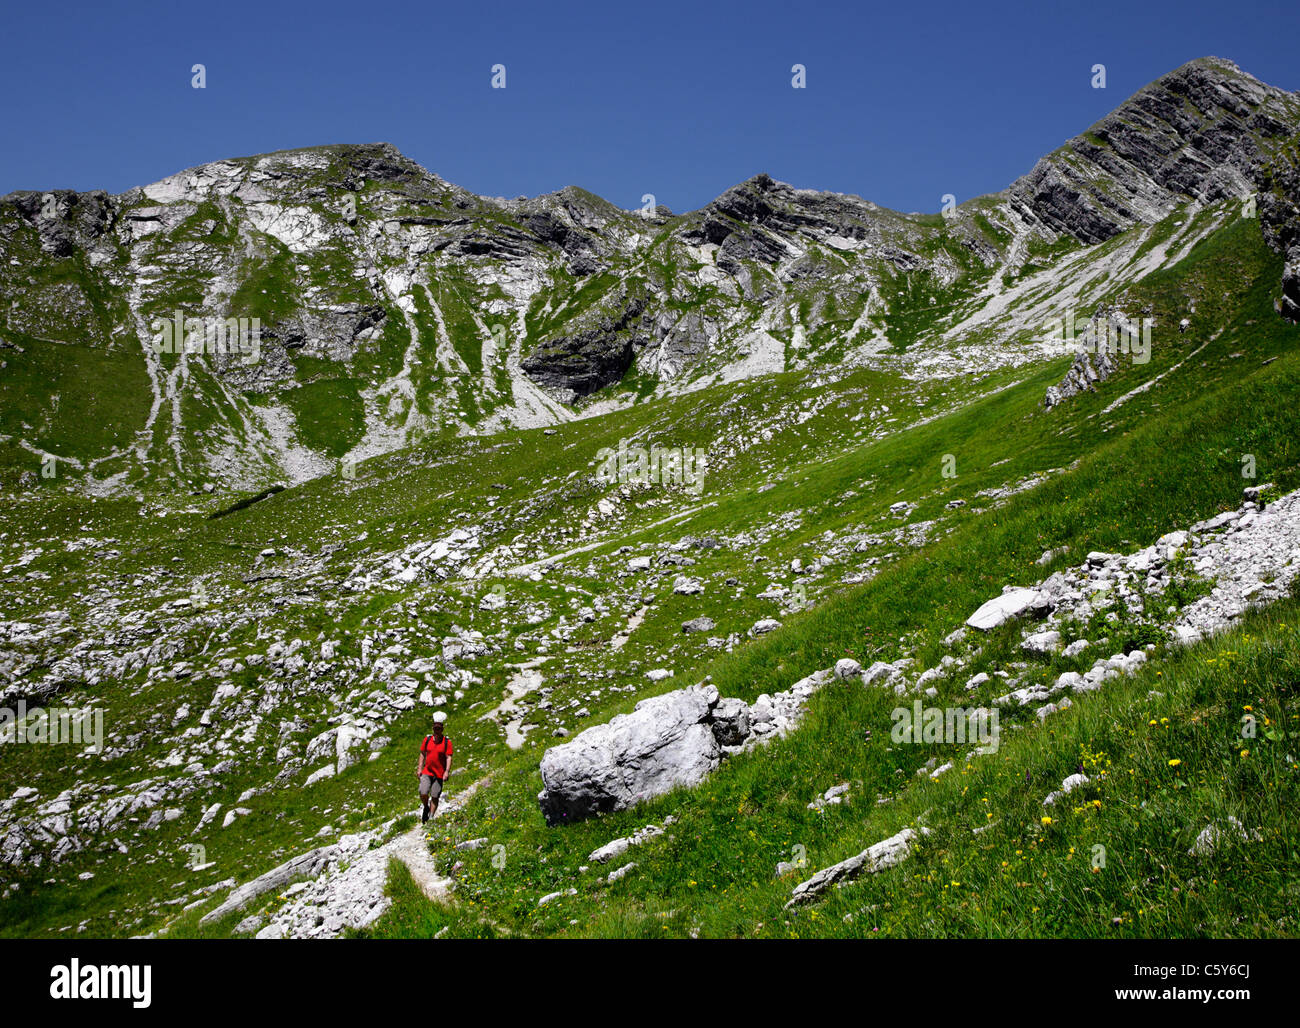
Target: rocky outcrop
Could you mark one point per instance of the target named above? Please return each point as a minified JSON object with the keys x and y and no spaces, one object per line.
{"x":67,"y":221}
{"x":581,"y":248}
{"x":1229,"y":563}
{"x":1279,"y":217}
{"x":1085,"y":373}
{"x":617,"y":847}
{"x":1244,"y":558}
{"x":667,"y":741}
{"x":883,"y":855}
{"x":1289,"y":302}
{"x":306,"y":865}
{"x":1097,"y":356}
{"x":596,"y":350}
{"x":1240,"y":559}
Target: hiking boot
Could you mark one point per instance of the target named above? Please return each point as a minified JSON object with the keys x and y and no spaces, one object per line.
{"x":424,"y":816}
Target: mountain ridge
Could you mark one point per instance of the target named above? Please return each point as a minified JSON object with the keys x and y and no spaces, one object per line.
{"x":395,"y":306}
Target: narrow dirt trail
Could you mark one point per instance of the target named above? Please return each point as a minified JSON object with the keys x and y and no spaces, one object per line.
{"x":524,"y":569}
{"x":412,"y":849}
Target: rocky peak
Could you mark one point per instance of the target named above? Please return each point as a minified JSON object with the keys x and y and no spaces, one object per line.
{"x":1203,"y":132}
{"x":762,"y":202}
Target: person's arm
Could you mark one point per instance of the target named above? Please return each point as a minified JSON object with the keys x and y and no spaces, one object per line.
{"x":446,"y":773}
{"x":419,"y":762}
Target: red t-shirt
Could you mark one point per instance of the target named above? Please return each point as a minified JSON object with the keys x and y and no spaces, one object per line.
{"x":435,"y":756}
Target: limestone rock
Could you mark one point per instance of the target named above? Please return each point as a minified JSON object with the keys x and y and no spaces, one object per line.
{"x":665,"y":742}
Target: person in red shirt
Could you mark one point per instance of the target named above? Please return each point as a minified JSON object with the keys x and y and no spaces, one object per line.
{"x":433,"y":767}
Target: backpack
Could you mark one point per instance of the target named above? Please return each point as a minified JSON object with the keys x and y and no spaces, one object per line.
{"x":424,"y":749}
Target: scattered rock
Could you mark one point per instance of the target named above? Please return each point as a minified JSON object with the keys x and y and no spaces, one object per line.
{"x":1213,"y":835}
{"x":883,"y":855}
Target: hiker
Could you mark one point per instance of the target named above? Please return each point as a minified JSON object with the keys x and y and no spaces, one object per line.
{"x":433,"y":767}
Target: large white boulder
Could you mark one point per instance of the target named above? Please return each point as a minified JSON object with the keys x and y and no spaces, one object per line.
{"x":1013,"y":603}
{"x":665,"y":742}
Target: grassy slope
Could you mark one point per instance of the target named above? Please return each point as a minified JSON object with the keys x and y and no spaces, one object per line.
{"x":713,"y":876}
{"x":1172,"y":457}
{"x":1161,"y":460}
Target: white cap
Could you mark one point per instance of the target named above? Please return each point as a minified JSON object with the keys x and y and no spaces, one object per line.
{"x":439,"y":717}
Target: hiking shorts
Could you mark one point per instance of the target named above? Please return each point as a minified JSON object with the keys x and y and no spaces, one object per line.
{"x":430,"y":787}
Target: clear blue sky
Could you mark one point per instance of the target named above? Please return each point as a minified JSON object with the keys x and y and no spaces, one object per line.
{"x":905,"y":101}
